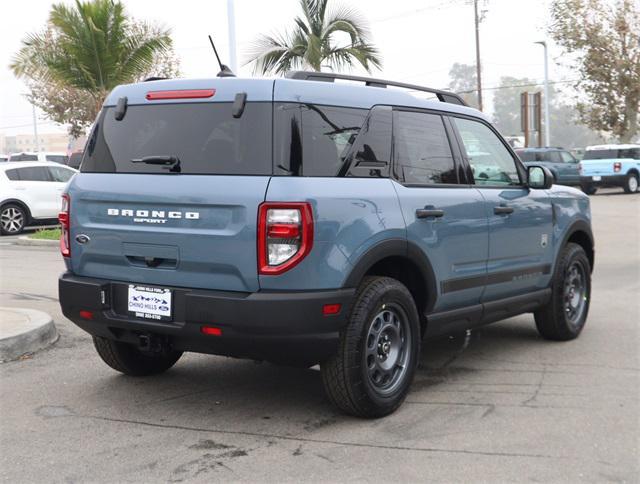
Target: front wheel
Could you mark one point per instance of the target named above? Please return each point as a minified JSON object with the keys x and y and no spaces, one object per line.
{"x":631,"y":183}
{"x":564,"y":316}
{"x":130,"y":360}
{"x":379,"y":349}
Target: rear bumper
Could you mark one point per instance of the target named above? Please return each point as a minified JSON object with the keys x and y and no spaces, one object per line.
{"x":605,"y":181}
{"x":277,"y":326}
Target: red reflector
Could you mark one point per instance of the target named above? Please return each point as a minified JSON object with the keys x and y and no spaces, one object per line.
{"x":86,"y":314}
{"x":283,"y":231}
{"x":211,"y":330}
{"x":182,"y":94}
{"x":329,"y":309}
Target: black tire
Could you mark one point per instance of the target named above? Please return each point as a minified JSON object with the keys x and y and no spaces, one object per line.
{"x":131,"y":361}
{"x":560,"y":319}
{"x":381,"y":304}
{"x":631,"y":183}
{"x":13,"y":219}
{"x":589,"y":189}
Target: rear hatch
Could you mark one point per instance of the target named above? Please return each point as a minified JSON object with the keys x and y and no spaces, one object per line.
{"x":168,"y":195}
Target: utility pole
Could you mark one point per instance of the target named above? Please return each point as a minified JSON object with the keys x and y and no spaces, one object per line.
{"x":231,"y":18}
{"x":35,"y":127}
{"x":478,"y":66}
{"x":547,"y":127}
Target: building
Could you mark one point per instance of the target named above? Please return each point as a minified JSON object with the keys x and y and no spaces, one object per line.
{"x":27,"y":142}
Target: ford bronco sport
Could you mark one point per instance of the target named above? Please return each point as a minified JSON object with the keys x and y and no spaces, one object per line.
{"x":304,"y":222}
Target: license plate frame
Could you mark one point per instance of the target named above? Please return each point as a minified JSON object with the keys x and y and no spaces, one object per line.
{"x":596,"y":178}
{"x":149,"y":302}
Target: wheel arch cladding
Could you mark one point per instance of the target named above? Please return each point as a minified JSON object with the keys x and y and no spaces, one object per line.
{"x":580,"y":233}
{"x":403,"y":261}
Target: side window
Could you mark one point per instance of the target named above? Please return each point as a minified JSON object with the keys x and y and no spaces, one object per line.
{"x":327,"y":136}
{"x":567,"y":157}
{"x":371,"y":153}
{"x":34,"y":173}
{"x":490,"y":161}
{"x":421,"y":149}
{"x":60,"y":174}
{"x":554,"y":157}
{"x":13,"y":174}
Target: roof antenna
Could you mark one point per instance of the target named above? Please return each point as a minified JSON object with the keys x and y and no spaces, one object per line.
{"x":224,"y":70}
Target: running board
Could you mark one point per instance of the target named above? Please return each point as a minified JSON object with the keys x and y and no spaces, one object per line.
{"x":480,"y":314}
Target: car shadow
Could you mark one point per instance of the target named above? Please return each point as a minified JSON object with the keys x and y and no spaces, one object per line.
{"x":210,"y":393}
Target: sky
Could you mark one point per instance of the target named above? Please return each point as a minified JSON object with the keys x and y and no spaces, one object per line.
{"x":419,"y":40}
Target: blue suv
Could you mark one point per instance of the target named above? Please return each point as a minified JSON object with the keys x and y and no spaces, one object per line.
{"x":306,"y":221}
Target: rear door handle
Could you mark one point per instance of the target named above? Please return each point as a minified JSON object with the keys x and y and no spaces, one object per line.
{"x":502,"y":210}
{"x":429,"y":212}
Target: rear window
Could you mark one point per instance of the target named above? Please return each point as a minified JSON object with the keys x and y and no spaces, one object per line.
{"x":205,"y":137}
{"x":633,"y":153}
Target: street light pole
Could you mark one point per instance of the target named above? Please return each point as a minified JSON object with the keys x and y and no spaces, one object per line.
{"x":478,"y":67}
{"x":231,"y":19}
{"x":547,"y":127}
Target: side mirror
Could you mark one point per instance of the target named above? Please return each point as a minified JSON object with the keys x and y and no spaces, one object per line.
{"x":539,"y":177}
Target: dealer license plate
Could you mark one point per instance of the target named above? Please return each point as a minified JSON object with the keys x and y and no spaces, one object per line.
{"x":149,"y":302}
{"x":596,"y":178}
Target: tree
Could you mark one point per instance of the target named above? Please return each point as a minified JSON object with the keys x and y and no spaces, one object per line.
{"x":464,"y":82}
{"x":312,"y":42}
{"x":83,"y":53}
{"x":604,"y":39}
{"x":506,"y":103}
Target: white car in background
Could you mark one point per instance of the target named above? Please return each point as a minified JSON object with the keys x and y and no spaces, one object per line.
{"x":30,"y":193}
{"x":57,"y":157}
{"x":4,"y":157}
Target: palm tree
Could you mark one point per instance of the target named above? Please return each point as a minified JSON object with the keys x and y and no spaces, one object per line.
{"x":310,"y":43}
{"x":90,"y":47}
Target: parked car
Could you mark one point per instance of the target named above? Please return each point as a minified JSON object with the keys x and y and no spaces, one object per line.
{"x":39,"y":156}
{"x":610,"y":166}
{"x":308,"y":222}
{"x":562,"y":164}
{"x":75,"y":159}
{"x":4,"y":157}
{"x":30,"y":193}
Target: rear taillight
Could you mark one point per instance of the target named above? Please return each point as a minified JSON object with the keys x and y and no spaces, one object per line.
{"x":63,"y":218}
{"x":285,"y":235}
{"x":617,"y":166}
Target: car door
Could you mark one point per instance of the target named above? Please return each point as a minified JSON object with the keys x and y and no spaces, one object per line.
{"x":35,"y":185}
{"x":520,"y":219}
{"x":569,"y":168}
{"x":445,"y":218}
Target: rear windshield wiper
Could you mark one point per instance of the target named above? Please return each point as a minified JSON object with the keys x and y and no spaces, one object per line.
{"x":171,"y":162}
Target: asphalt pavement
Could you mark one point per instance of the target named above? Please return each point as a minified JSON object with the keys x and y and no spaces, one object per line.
{"x":499,"y":405}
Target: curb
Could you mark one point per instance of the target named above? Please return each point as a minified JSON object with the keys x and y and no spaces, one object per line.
{"x":24,"y":331}
{"x":26,"y":240}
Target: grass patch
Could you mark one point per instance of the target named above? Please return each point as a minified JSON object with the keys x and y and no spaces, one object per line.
{"x":46,"y":234}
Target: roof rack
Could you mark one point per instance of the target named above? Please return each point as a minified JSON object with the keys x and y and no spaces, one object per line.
{"x":443,"y":96}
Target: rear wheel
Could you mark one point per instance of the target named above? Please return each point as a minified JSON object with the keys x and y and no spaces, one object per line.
{"x":128,"y":359}
{"x":589,"y":189}
{"x":379,"y":349}
{"x":565,"y":314}
{"x":631,"y":183}
{"x":13,"y":219}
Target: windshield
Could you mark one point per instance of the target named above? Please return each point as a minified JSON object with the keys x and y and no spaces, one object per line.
{"x":204,"y":137}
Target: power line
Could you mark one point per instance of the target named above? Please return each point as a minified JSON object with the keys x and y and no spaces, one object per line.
{"x":495,"y":88}
{"x":27,"y":125}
